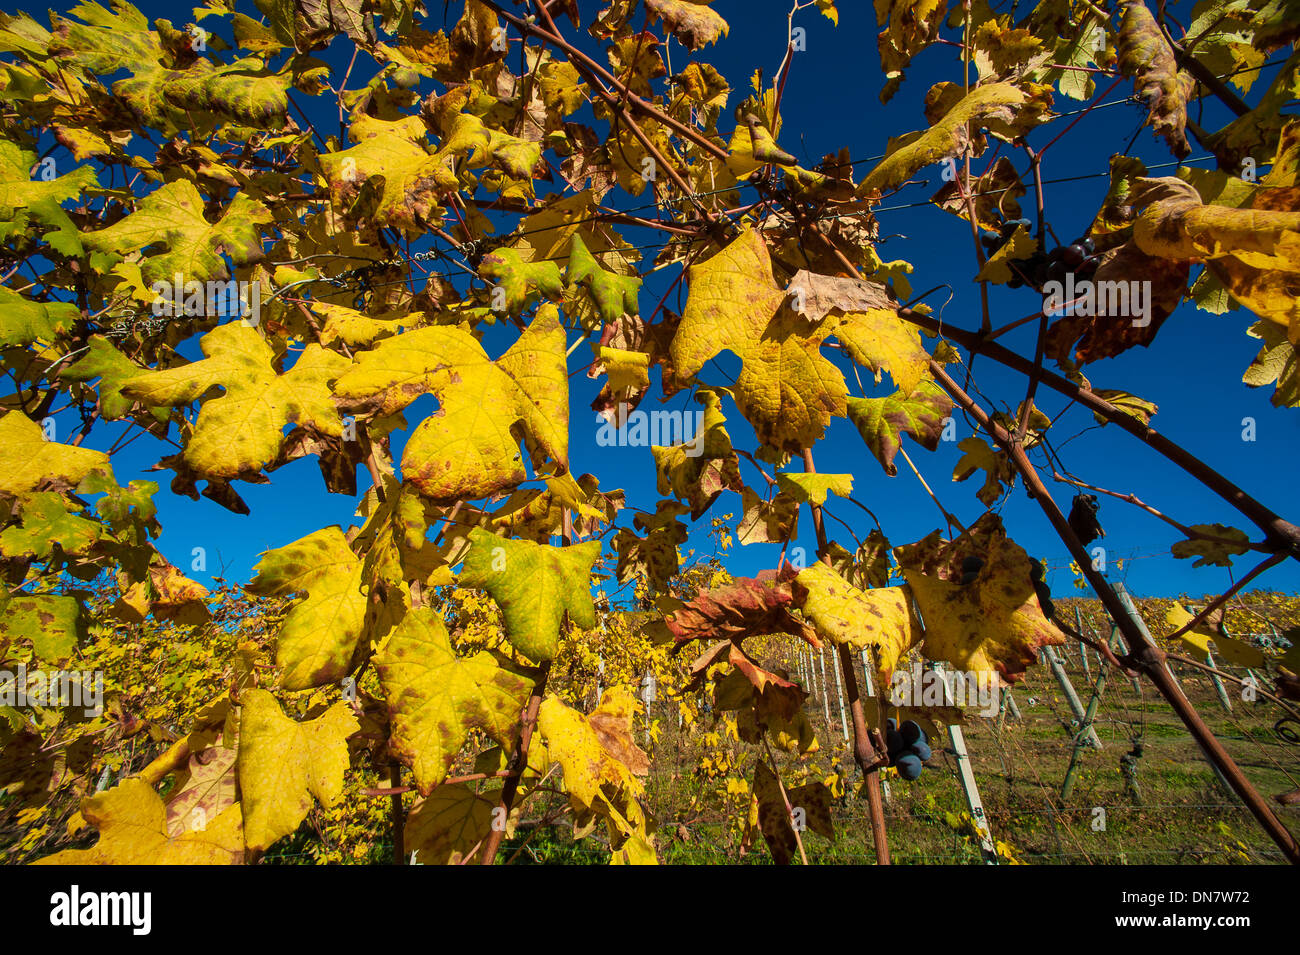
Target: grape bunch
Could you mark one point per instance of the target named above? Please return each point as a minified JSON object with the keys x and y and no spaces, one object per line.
{"x":992,"y":241}
{"x":1042,"y":267}
{"x":909,"y":748}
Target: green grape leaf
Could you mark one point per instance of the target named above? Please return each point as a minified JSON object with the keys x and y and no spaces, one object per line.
{"x":534,"y":585}
{"x":46,"y":521}
{"x":55,"y":625}
{"x":23,"y":321}
{"x":114,"y":370}
{"x":813,"y":488}
{"x":521,"y":282}
{"x":614,"y":295}
{"x":882,"y":422}
{"x":172,"y":217}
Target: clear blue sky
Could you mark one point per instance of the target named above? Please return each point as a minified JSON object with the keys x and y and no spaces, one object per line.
{"x":1192,"y":371}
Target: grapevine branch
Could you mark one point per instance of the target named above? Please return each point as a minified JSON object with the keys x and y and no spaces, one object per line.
{"x":1282,"y":535}
{"x":865,"y":752}
{"x":1144,"y":655}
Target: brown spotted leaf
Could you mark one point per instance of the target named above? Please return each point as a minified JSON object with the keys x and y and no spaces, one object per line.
{"x":992,"y":623}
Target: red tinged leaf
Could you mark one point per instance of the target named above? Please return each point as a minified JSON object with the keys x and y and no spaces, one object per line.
{"x":746,"y":607}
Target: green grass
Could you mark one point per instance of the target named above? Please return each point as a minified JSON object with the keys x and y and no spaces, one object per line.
{"x":1181,"y":815}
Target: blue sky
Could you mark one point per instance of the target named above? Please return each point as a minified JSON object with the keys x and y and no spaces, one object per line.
{"x":1192,"y":371}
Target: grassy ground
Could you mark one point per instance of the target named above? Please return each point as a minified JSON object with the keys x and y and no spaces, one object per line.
{"x":1171,"y":809}
{"x":1175,"y":812}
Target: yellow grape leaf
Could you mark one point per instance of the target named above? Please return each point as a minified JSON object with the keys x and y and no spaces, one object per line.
{"x":767,"y":522}
{"x":980,"y":456}
{"x":435,"y":698}
{"x":1195,"y":640}
{"x":320,"y":637}
{"x":998,"y":267}
{"x":1278,"y":361}
{"x":353,"y":328}
{"x":795,"y":736}
{"x":1002,"y":107}
{"x":1236,"y":652}
{"x":466,"y":448}
{"x":392,"y":151}
{"x":878,"y":339}
{"x":447,"y":824}
{"x":812,"y":488}
{"x":172,"y":216}
{"x":30,"y":463}
{"x":690,"y":21}
{"x":284,"y":763}
{"x":1232,"y":542}
{"x":1130,"y":404}
{"x":240,"y":432}
{"x":167,"y":594}
{"x":203,"y":791}
{"x":590,"y":753}
{"x":786,"y":389}
{"x":113,"y":369}
{"x":909,"y":27}
{"x":699,"y":470}
{"x":626,"y":369}
{"x":653,"y":558}
{"x":881,"y":618}
{"x":1254,"y":253}
{"x":132,"y":824}
{"x":993,"y":623}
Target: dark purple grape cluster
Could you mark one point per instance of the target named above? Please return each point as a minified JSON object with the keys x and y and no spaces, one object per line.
{"x":1042,"y":267}
{"x":992,"y":241}
{"x":909,"y":748}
